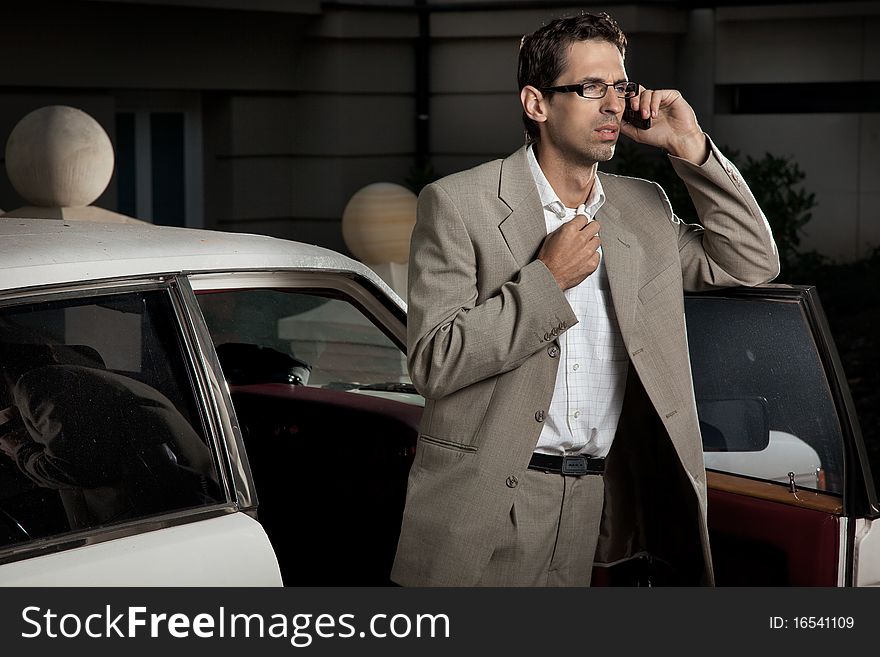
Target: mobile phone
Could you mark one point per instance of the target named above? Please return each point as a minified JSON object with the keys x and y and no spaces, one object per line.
{"x":635,"y":118}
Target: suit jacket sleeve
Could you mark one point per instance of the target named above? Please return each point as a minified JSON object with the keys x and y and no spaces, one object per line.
{"x":456,"y":338}
{"x":734,"y":246}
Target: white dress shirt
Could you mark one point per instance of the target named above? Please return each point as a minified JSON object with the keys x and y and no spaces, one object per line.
{"x":593,"y":362}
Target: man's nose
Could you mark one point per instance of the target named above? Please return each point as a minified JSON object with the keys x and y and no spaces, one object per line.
{"x":612,"y":103}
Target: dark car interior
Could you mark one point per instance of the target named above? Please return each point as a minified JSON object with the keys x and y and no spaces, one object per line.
{"x":330,"y":468}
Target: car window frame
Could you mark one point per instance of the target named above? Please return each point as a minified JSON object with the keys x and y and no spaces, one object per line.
{"x":358,"y":290}
{"x":204,"y":402}
{"x":859,"y":495}
{"x":348,"y":286}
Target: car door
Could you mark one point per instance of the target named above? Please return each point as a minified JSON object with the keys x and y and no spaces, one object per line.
{"x":328,"y":416}
{"x":120,"y":471}
{"x":797,"y":506}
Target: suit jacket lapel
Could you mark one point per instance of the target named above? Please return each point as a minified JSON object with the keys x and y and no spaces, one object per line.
{"x":621,"y":252}
{"x":523,"y":228}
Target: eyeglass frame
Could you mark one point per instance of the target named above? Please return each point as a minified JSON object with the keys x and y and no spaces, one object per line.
{"x":579,"y":89}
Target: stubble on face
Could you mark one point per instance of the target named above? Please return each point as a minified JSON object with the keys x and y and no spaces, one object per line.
{"x":587,"y":152}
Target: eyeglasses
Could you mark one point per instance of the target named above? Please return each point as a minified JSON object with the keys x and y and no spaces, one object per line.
{"x":596,"y":90}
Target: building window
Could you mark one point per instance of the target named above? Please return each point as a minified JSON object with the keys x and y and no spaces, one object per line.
{"x":158,"y":166}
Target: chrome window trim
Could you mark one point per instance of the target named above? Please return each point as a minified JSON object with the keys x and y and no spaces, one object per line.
{"x":101,"y":534}
{"x":846,"y":552}
{"x":200,"y":378}
{"x":239,"y":478}
{"x":77,"y":290}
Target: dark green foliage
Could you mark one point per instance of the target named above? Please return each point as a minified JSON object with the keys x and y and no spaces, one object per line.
{"x":776,"y":184}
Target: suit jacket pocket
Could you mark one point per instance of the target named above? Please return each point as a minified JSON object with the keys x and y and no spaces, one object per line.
{"x":435,"y":454}
{"x":456,"y":420}
{"x":671,"y":275}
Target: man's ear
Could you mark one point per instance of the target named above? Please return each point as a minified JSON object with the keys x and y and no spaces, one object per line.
{"x":533,"y":103}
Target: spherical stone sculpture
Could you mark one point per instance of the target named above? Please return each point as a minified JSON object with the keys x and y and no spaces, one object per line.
{"x":59,"y":156}
{"x":377,"y":223}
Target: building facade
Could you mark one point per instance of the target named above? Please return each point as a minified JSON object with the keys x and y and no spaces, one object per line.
{"x":266,"y":116}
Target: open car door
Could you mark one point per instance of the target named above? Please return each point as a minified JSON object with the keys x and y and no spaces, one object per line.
{"x":792,"y":497}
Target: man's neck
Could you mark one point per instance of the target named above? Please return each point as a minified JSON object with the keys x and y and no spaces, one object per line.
{"x":573,"y":183}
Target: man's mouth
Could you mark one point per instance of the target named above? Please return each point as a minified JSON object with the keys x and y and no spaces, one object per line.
{"x":608,"y":132}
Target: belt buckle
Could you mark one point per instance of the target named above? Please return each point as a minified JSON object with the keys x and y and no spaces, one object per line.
{"x":574,"y":466}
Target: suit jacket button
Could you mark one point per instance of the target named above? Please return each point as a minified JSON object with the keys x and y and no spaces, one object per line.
{"x":553,"y":351}
{"x":546,"y":337}
{"x":554,"y":332}
{"x":539,"y":416}
{"x":512,"y":482}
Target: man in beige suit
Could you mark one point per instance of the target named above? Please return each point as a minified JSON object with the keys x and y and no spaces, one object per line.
{"x":546,"y":332}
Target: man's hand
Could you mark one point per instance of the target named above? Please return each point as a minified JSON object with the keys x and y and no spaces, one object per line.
{"x":570,"y":251}
{"x":674,"y":126}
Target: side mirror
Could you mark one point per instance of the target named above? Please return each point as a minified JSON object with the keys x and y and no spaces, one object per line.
{"x":734,"y":425}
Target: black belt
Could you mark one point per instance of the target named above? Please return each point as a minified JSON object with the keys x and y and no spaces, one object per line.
{"x":571,"y":466}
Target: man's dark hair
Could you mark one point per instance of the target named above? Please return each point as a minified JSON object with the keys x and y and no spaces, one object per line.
{"x":543,"y":53}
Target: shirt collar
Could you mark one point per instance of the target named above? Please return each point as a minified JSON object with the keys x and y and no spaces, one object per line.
{"x":549,"y":198}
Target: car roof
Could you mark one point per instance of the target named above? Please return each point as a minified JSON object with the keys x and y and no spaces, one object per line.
{"x":39,"y":252}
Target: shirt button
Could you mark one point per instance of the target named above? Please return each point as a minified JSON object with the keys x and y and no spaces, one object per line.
{"x":539,"y":416}
{"x":553,"y":351}
{"x":512,"y":482}
{"x":577,"y":413}
{"x":575,"y":367}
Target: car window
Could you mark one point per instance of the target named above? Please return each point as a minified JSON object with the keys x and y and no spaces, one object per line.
{"x":759,"y":353}
{"x":99,"y":422}
{"x":317,"y":385}
{"x":292,"y":337}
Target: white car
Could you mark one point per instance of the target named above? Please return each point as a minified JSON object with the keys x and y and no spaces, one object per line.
{"x":129,"y":465}
{"x":191,"y":408}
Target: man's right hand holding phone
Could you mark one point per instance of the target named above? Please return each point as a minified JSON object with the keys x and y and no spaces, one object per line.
{"x":674,"y":126}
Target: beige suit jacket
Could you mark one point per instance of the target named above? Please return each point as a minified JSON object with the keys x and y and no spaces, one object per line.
{"x":483,"y":314}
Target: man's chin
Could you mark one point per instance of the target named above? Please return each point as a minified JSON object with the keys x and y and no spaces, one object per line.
{"x":605,"y":153}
